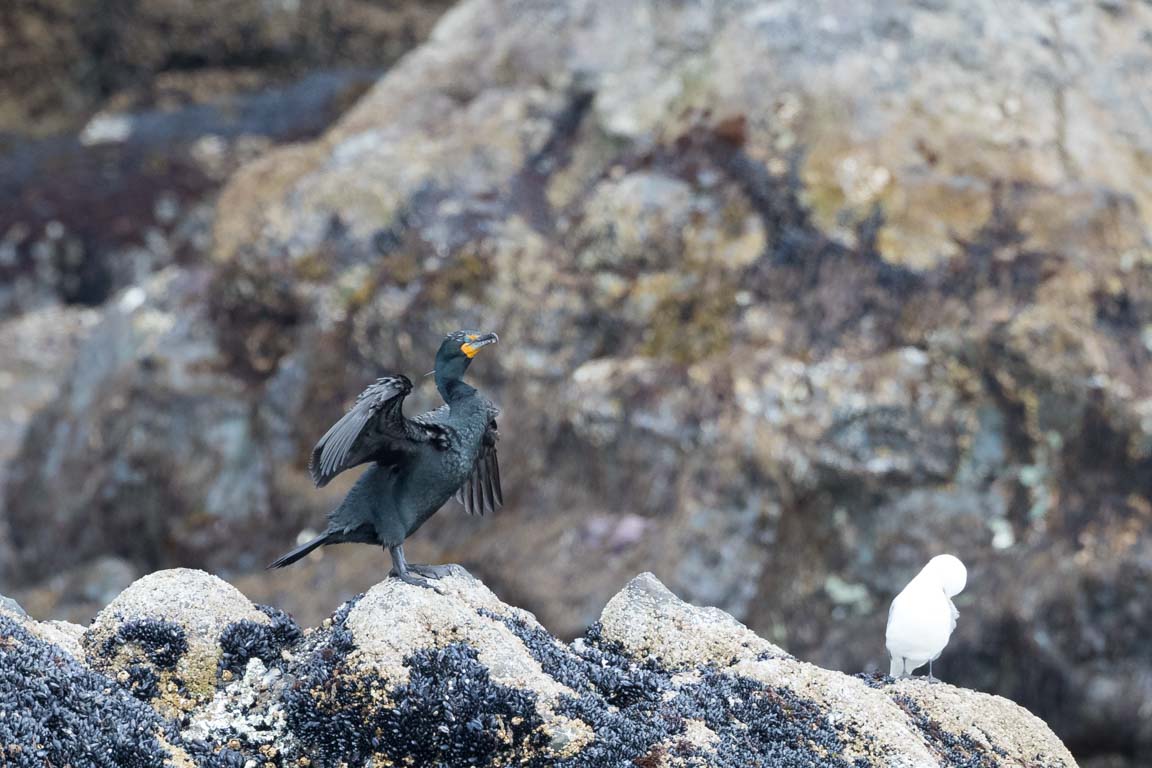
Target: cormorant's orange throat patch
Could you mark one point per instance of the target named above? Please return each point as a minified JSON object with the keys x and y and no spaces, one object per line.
{"x":475,"y":341}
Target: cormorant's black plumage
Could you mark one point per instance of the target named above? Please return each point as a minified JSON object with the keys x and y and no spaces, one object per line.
{"x":417,"y":464}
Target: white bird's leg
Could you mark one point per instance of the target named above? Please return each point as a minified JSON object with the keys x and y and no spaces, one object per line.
{"x":931,"y":679}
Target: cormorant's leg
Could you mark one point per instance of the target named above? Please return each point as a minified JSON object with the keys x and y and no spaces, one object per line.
{"x":431,"y":571}
{"x":400,"y":569}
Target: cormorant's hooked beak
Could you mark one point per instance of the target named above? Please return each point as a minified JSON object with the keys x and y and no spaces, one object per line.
{"x":476,"y":341}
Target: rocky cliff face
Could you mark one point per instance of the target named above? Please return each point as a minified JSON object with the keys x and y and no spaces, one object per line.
{"x":793,"y":295}
{"x":182,"y":670}
{"x":64,"y":61}
{"x":119,"y":125}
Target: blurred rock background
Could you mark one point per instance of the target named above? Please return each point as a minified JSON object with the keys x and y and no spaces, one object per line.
{"x":792,"y":296}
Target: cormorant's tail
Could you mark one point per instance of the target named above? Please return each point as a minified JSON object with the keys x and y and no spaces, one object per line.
{"x":299,"y":552}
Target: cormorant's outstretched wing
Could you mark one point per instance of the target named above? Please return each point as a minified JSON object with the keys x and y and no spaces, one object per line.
{"x":481,"y":492}
{"x":374,"y":429}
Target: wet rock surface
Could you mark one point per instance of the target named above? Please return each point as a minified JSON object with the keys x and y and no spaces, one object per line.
{"x":408,"y":676}
{"x":792,"y":297}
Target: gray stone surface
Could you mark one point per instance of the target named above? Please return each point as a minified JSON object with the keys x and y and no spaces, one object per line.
{"x":9,"y":605}
{"x":410,"y":676}
{"x":793,"y":296}
{"x":179,"y":613}
{"x":65,"y":62}
{"x":647,"y":619}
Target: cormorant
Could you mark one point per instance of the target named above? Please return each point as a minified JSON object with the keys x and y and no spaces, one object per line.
{"x":417,"y":464}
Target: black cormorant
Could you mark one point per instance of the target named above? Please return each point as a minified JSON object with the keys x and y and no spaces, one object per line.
{"x":417,"y":463}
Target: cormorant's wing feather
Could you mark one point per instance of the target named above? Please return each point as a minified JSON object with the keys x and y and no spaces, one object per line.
{"x":374,"y":429}
{"x":481,"y":493}
{"x":477,"y":496}
{"x":487,"y":497}
{"x":494,"y":473}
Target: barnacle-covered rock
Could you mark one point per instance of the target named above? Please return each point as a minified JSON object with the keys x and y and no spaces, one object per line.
{"x":55,"y":711}
{"x":63,"y":634}
{"x":797,"y":291}
{"x":407,"y":676}
{"x":848,"y":720}
{"x":392,"y":619}
{"x":248,"y":710}
{"x":646,"y":619}
{"x":171,"y":622}
{"x":404,"y":657}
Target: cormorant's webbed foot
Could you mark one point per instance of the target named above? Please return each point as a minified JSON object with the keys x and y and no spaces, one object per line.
{"x":430,"y":571}
{"x":402,"y":571}
{"x":415,"y":581}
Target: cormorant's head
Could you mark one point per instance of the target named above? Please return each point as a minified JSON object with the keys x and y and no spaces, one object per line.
{"x":458,"y":350}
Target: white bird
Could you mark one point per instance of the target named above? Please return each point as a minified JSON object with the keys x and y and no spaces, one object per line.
{"x":922,"y":616}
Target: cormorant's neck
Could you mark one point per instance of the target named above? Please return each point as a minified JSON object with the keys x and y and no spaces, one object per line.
{"x":453,"y":388}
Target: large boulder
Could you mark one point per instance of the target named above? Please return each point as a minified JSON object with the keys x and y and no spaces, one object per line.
{"x":169,"y":630}
{"x":793,"y":296}
{"x":404,"y":675}
{"x":166,"y":468}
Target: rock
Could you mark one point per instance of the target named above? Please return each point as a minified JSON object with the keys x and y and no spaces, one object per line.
{"x":79,"y":593}
{"x":36,"y":352}
{"x":100,"y":581}
{"x":169,"y":624}
{"x":792,"y":297}
{"x":60,"y":713}
{"x":8,"y":605}
{"x":406,"y":675}
{"x":648,"y":620}
{"x":134,"y":192}
{"x":168,"y":52}
{"x":389,"y":620}
{"x":155,"y":331}
{"x":64,"y":635}
{"x":247,"y":708}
